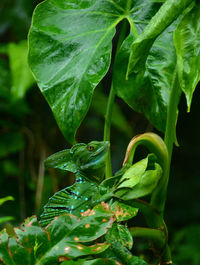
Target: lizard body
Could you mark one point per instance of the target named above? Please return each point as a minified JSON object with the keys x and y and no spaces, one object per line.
{"x":87,"y":161}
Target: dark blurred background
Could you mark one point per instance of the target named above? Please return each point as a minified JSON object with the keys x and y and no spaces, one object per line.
{"x":29,"y":133}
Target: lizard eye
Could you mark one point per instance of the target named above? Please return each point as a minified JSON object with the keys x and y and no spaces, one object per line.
{"x":90,"y":148}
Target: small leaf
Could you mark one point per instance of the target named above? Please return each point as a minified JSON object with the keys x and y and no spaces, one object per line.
{"x":118,"y":249}
{"x":123,"y":212}
{"x":139,"y":180}
{"x":133,"y":175}
{"x":120,"y":234}
{"x":147,"y":184}
{"x":187,"y":39}
{"x":109,"y":183}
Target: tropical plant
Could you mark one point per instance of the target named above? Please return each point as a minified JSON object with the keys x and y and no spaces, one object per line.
{"x":156,"y":58}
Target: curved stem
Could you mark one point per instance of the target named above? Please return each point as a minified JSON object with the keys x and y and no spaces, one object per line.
{"x":111,"y":99}
{"x":154,"y":235}
{"x":158,"y":239}
{"x":159,"y":197}
{"x":155,"y":145}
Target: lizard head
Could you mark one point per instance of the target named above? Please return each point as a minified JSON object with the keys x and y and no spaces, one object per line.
{"x":90,"y":159}
{"x":87,"y":159}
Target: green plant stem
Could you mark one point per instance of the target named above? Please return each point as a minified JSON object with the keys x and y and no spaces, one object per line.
{"x":150,"y":213}
{"x":156,"y":145}
{"x":157,"y":237}
{"x":111,"y":99}
{"x":159,"y":240}
{"x":159,"y":196}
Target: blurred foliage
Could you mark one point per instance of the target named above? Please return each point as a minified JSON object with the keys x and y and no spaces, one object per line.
{"x":185,"y":246}
{"x":29,"y":133}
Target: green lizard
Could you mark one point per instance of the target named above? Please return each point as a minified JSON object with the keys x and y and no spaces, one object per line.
{"x":87,"y":161}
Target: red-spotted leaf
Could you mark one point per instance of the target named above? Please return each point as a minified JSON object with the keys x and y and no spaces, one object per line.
{"x":4,"y":253}
{"x":120,"y":234}
{"x":123,"y":212}
{"x":66,"y":237}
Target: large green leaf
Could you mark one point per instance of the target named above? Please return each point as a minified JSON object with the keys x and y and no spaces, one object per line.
{"x":148,"y":91}
{"x":187,"y":43}
{"x":168,"y":13}
{"x":67,"y":237}
{"x":70,"y":50}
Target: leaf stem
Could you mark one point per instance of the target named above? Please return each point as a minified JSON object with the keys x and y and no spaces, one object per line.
{"x":111,"y":99}
{"x":158,"y":239}
{"x":156,"y":145}
{"x":154,"y":235}
{"x":159,"y":197}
